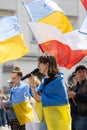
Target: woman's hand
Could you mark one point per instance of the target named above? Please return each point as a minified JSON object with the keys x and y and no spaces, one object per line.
{"x":38,"y":98}
{"x":31,"y":80}
{"x":71,"y":94}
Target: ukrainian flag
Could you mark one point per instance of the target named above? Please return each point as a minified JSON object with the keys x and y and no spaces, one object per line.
{"x":21,"y":105}
{"x":46,"y":11}
{"x":12,"y":45}
{"x":55,"y":104}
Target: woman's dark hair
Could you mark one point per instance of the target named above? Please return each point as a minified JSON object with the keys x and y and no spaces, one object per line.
{"x":50,"y":59}
{"x":18,"y":71}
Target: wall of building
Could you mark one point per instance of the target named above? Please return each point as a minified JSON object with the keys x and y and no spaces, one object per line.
{"x":8,"y":5}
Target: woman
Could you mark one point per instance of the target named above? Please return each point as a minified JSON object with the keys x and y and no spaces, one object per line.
{"x":54,"y":95}
{"x":20,"y":100}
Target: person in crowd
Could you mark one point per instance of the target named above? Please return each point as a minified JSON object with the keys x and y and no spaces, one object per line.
{"x":20,"y":101}
{"x":54,"y":96}
{"x":78,"y":99}
{"x":2,"y":112}
{"x":72,"y":80}
{"x":10,"y":83}
{"x":7,"y":106}
{"x":7,"y":118}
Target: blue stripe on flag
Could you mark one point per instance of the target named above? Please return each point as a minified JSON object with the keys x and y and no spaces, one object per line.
{"x":9,"y":27}
{"x":20,"y":94}
{"x":38,"y":9}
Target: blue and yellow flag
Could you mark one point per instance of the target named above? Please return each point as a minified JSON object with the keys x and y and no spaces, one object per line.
{"x":55,"y":104}
{"x":46,"y":11}
{"x":12,"y":44}
{"x":21,"y":105}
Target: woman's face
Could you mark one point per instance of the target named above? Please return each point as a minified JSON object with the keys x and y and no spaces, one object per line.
{"x":15,"y":78}
{"x":43,"y":68}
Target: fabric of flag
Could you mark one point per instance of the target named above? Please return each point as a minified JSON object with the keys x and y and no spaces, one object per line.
{"x":84,"y":3}
{"x":55,"y":104}
{"x":12,"y":45}
{"x":83,"y":28}
{"x":39,"y":110}
{"x":68,"y":48}
{"x":48,"y":12}
{"x":20,"y":101}
{"x":38,"y":106}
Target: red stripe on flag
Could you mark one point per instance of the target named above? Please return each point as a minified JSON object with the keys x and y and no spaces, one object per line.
{"x":65,"y":56}
{"x":84,"y":3}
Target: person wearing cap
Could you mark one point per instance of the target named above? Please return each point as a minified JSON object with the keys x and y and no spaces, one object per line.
{"x":78,"y":96}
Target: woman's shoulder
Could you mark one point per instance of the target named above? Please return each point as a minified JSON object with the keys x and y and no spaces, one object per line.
{"x":59,"y":78}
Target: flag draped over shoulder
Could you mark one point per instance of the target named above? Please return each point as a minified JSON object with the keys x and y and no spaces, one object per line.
{"x":20,"y":101}
{"x":57,"y":117}
{"x":46,"y":11}
{"x":68,"y":48}
{"x":84,"y":2}
{"x":12,"y":45}
{"x":55,"y":104}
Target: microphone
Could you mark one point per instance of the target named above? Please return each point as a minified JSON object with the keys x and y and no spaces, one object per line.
{"x":28,"y":75}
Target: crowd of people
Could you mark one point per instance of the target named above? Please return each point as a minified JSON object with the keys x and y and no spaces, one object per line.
{"x":45,"y":102}
{"x":2,"y":112}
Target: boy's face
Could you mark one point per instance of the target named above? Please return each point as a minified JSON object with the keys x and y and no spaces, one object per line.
{"x":81,"y":74}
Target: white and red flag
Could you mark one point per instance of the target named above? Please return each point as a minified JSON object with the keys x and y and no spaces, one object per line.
{"x":68,"y":48}
{"x":84,"y":2}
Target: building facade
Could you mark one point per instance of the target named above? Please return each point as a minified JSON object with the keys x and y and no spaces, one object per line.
{"x":73,"y":9}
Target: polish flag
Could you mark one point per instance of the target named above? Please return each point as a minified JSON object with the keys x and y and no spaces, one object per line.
{"x":68,"y":48}
{"x":84,"y":3}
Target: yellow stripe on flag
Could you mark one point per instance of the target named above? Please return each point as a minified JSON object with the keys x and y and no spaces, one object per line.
{"x":57,"y":117}
{"x":59,"y":20}
{"x":12,"y":48}
{"x":24,"y":112}
{"x":39,"y":110}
